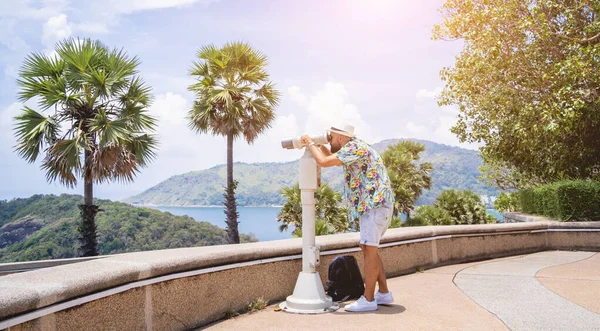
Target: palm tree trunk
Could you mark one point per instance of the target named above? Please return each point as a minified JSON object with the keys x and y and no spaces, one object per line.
{"x":87,"y":227}
{"x":233,"y":236}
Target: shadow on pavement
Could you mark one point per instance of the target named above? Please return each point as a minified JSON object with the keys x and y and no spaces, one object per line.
{"x":382,"y":310}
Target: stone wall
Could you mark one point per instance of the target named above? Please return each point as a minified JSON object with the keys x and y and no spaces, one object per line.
{"x":179,"y":289}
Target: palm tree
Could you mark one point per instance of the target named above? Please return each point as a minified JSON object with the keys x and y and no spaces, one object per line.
{"x":408,"y":179}
{"x":234,"y":99}
{"x":97,"y":126}
{"x":331,"y":217}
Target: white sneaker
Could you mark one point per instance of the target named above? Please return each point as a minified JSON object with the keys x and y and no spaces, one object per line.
{"x":361,"y":305}
{"x":384,"y":298}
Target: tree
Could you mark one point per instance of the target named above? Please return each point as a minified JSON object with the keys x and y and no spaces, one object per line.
{"x":526,"y":83}
{"x":322,"y":228}
{"x":505,"y":176}
{"x":464,"y":207}
{"x":234,"y":99}
{"x":331,"y":216}
{"x":407,"y":177}
{"x":99,"y":126}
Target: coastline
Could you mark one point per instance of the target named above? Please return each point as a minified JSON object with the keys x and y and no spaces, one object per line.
{"x":199,"y":206}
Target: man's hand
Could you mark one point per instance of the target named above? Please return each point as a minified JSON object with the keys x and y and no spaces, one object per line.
{"x":322,"y":155}
{"x":305,"y":140}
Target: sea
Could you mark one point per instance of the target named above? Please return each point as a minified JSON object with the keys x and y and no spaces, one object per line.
{"x":260,"y":221}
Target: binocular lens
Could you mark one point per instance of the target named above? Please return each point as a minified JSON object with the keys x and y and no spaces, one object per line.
{"x":287,"y":144}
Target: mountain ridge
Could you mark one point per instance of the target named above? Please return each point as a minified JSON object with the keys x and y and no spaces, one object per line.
{"x":260,"y":183}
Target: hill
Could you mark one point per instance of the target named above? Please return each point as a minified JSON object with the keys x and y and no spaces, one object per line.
{"x":260,"y":183}
{"x":45,"y":227}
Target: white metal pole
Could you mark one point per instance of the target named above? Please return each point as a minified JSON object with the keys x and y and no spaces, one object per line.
{"x":308,"y":230}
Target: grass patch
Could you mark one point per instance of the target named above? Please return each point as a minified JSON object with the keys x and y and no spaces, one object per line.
{"x":258,"y":304}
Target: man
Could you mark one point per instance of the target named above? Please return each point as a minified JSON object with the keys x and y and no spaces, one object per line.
{"x":370,"y":200}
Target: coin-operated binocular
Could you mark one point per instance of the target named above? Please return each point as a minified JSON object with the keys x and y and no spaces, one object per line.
{"x":295,"y":143}
{"x":309,"y":295}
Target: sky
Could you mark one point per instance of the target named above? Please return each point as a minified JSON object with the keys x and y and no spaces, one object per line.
{"x":370,"y":63}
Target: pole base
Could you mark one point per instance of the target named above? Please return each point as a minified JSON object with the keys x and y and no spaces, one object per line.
{"x":309,"y":296}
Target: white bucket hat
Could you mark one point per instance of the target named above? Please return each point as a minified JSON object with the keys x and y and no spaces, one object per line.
{"x":348,"y":130}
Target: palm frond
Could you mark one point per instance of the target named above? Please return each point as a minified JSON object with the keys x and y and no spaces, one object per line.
{"x":200,"y":117}
{"x":200,"y":68}
{"x":113,"y":163}
{"x":111,"y":132}
{"x":269,"y":93}
{"x":140,"y":121}
{"x":207,"y":52}
{"x":137,"y":93}
{"x":78,"y":54}
{"x":143,"y":147}
{"x":42,"y":76}
{"x":38,"y":65}
{"x":33,"y":130}
{"x":63,"y":160}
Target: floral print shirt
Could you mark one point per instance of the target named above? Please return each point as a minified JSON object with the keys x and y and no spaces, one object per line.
{"x":367,"y":184}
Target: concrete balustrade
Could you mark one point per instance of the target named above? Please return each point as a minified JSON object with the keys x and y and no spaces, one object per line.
{"x":13,"y":267}
{"x":179,"y":289}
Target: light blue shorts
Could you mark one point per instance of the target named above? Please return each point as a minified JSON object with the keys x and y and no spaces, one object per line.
{"x":373,"y":225}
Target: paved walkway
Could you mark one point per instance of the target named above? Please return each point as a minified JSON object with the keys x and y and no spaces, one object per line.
{"x":552,"y":290}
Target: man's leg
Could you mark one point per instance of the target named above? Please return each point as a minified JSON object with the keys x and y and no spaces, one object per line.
{"x":381,"y":279}
{"x":372,"y":267}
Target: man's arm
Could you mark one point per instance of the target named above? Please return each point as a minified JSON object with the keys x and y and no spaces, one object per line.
{"x":325,"y":150}
{"x":324,"y":160}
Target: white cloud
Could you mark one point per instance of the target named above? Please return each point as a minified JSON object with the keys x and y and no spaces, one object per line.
{"x":428,"y":121}
{"x":296,"y":96}
{"x":171,"y":110}
{"x":56,"y":28}
{"x":105,"y":14}
{"x":429,"y":94}
{"x":267,"y":148}
{"x":8,"y":36}
{"x":130,"y":6}
{"x":91,"y":27}
{"x":180,"y":147}
{"x":415,"y":128}
{"x":182,"y":150}
{"x":169,"y":83}
{"x":24,"y":9}
{"x":331,"y":107}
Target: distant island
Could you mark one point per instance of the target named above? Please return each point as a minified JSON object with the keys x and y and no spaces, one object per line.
{"x":45,"y":227}
{"x":260,"y":183}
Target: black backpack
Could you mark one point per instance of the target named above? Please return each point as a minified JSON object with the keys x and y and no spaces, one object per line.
{"x":345,"y":281}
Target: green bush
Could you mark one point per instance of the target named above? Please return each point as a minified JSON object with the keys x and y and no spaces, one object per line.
{"x":578,"y":201}
{"x":527,"y":199}
{"x":464,"y":207}
{"x":507,"y":202}
{"x":396,"y":222}
{"x":566,"y":200}
{"x":547,"y":200}
{"x":430,"y":215}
